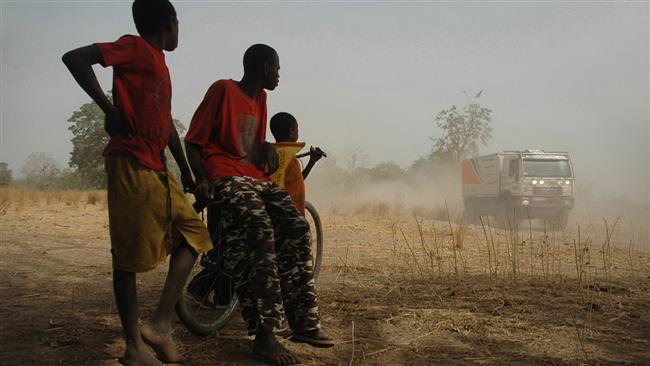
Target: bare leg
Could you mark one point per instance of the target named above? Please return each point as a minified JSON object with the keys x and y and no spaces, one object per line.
{"x":157,"y":331}
{"x":126,"y":298}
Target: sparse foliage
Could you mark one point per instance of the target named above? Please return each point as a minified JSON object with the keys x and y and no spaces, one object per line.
{"x":386,"y":170}
{"x":40,"y":171}
{"x":463,"y":130}
{"x":355,"y":159}
{"x":88,"y":141}
{"x":5,"y":174}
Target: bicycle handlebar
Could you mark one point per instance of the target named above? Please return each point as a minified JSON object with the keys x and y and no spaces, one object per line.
{"x":311,"y":150}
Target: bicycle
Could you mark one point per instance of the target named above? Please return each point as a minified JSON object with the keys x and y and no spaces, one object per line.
{"x":208,"y":301}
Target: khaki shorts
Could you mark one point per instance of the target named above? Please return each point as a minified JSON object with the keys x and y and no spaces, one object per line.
{"x":149,"y":216}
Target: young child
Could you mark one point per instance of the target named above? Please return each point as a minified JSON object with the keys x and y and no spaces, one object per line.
{"x":149,"y":216}
{"x":284,"y":128}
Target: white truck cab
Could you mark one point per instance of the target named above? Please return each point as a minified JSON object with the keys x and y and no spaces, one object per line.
{"x":515,"y":185}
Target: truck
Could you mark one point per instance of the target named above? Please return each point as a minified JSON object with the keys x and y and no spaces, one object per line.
{"x":513,"y":186}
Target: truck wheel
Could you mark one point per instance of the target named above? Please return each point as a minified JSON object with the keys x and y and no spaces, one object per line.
{"x":508,"y":217}
{"x":504,"y":216}
{"x":516,"y":221}
{"x":501,"y":217}
{"x":471,"y":214}
{"x":561,"y":220}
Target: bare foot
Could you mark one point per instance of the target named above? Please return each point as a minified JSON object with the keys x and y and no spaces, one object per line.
{"x":267,"y":349}
{"x":160,"y":340}
{"x":138,"y":356}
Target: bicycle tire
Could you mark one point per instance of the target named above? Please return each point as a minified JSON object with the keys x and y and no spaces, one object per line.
{"x":317,"y":252}
{"x":201,"y":320}
{"x":203,"y":326}
{"x":197,"y":318}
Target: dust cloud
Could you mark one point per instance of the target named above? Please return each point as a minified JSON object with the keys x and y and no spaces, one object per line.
{"x":436,"y":192}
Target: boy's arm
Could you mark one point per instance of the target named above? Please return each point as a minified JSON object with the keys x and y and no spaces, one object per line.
{"x":204,"y":189}
{"x":307,"y":170}
{"x":315,"y":153}
{"x":79,"y":61}
{"x":177,"y":151}
{"x":198,"y":136}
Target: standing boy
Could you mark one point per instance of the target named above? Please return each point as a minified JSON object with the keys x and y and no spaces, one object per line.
{"x":149,"y":215}
{"x":266,"y":239}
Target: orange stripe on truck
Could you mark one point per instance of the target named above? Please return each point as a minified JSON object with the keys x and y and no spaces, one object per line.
{"x":469,"y":173}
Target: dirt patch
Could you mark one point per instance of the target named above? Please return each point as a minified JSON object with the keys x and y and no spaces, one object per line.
{"x":392,"y":291}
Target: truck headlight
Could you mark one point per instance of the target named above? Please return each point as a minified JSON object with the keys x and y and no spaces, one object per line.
{"x":525,"y":202}
{"x":567,"y":182}
{"x":534,"y":181}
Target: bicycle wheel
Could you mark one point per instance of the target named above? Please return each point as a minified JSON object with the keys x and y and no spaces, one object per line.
{"x":208,"y":300}
{"x":316,"y":236}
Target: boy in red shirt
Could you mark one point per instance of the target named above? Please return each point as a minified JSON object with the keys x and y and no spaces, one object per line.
{"x":149,"y":215}
{"x":266,"y":239}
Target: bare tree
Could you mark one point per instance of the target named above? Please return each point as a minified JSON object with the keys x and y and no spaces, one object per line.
{"x":355,"y":159}
{"x":40,"y":170}
{"x":463,"y":130}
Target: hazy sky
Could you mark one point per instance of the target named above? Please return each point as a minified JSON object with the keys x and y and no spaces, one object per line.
{"x":557,"y":75}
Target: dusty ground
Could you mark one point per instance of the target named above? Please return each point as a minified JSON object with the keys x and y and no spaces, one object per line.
{"x":391,"y":292}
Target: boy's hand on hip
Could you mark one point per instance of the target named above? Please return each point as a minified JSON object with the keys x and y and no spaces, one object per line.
{"x":115,"y":123}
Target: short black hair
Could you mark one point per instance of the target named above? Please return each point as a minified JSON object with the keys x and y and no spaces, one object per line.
{"x":152,"y":16}
{"x":281,"y":123}
{"x":256,"y":56}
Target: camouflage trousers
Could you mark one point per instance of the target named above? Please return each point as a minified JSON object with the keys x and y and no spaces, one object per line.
{"x":268,"y":254}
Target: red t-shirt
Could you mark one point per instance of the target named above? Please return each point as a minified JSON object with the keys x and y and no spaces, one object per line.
{"x":230,"y":128}
{"x":142,"y":91}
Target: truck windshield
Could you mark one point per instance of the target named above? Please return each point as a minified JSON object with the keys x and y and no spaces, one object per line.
{"x":547,"y":168}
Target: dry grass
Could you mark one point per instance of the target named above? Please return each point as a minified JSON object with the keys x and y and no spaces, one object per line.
{"x":372,"y":208}
{"x":94,"y":198}
{"x":20,"y":198}
{"x":393,"y":290}
{"x":566,"y":294}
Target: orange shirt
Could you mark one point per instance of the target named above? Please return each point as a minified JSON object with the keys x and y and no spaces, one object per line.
{"x":230,"y":128}
{"x":294,"y":184}
{"x":142,"y":91}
